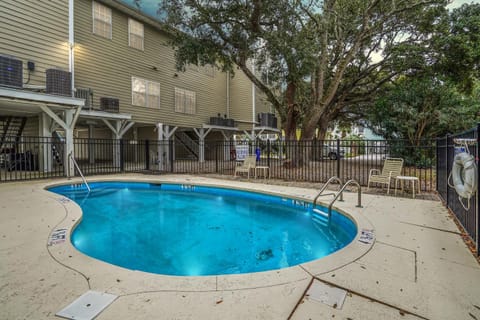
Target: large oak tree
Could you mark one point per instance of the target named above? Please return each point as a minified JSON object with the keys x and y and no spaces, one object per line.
{"x":344,"y":50}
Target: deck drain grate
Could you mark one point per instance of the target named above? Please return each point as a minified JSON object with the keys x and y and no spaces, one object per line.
{"x":327,"y":294}
{"x":87,"y":306}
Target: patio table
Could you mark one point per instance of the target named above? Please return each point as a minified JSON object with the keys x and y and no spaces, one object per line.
{"x":407,"y":178}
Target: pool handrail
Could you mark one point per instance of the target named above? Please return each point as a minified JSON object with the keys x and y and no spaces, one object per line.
{"x":338,"y":194}
{"x":79,"y":171}
{"x":359,"y":191}
{"x":334,"y":178}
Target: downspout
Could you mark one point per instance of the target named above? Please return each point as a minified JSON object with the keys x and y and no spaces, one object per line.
{"x":71,"y":45}
{"x":228,"y":94}
{"x":253,"y":101}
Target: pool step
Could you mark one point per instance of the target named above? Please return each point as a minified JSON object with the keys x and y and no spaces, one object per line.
{"x":320,"y":217}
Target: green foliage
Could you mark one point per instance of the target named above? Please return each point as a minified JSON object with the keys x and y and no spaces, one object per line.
{"x":457,"y":46}
{"x":315,"y":60}
{"x":420,"y":154}
{"x":422,"y":108}
{"x":355,"y":143}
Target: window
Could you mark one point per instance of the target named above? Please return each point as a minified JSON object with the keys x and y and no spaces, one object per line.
{"x":135,"y":34}
{"x":102,"y":20}
{"x":185,"y":101}
{"x":153,"y":94}
{"x":145,"y":93}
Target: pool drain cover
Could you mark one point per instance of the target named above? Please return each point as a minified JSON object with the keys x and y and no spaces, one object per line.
{"x":87,"y":306}
{"x":332,"y":296}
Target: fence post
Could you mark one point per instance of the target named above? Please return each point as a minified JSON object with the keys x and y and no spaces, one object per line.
{"x":268,"y":152}
{"x":147,"y":154}
{"x":216,"y":155}
{"x":447,"y":165}
{"x":170,"y":155}
{"x":478,"y":197}
{"x":437,"y":156}
{"x":122,"y":156}
{"x":338,"y":158}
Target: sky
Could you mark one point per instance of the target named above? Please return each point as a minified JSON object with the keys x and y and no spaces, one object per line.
{"x":149,"y":7}
{"x":458,"y":3}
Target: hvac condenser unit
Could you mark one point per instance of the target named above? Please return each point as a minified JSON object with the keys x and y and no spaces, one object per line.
{"x":59,"y":82}
{"x":87,"y":94}
{"x":11,"y":72}
{"x":265,"y":119}
{"x":109,"y":104}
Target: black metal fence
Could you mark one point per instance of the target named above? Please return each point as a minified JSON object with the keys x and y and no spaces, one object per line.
{"x":467,"y":213}
{"x":28,"y":158}
{"x":310,"y":161}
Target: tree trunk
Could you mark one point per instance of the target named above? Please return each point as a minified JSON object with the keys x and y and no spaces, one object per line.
{"x":322,"y":128}
{"x":307,"y":141}
{"x":292,"y":112}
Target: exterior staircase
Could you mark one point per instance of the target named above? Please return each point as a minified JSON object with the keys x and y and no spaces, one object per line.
{"x":188,"y":143}
{"x":57,"y":147}
{"x":11,"y":126}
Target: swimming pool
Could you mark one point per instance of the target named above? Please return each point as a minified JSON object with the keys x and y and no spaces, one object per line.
{"x":178,"y":229}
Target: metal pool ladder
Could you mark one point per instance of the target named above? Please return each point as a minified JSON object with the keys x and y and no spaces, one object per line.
{"x":79,"y":171}
{"x":337,"y":195}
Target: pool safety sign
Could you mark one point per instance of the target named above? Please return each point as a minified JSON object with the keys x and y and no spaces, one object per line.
{"x":58,"y":236}
{"x":241,"y":151}
{"x":367,"y":236}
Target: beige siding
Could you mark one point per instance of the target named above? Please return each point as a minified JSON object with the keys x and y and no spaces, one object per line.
{"x":98,"y":133}
{"x":147,"y":133}
{"x":35,"y":31}
{"x":241,"y":100}
{"x":261,"y":102}
{"x":31,"y":127}
{"x":107,"y":66}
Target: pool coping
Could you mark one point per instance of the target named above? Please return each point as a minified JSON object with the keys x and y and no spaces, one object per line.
{"x":418,"y":267}
{"x":118,"y":280}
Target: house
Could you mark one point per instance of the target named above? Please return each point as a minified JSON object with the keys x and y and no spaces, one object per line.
{"x":83,"y":69}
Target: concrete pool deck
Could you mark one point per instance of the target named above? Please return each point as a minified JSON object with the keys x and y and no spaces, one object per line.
{"x":417,"y":268}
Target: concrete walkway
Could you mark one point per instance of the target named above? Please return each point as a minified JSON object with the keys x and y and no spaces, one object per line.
{"x":418,"y":267}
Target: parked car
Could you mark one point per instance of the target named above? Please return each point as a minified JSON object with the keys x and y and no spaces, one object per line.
{"x":331,"y":152}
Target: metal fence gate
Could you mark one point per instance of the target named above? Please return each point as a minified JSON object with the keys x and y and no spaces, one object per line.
{"x":446,"y":150}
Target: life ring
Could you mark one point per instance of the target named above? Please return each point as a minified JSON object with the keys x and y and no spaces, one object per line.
{"x":464,"y":175}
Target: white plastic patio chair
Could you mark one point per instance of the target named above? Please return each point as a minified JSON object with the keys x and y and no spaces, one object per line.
{"x":249,"y":163}
{"x":392,"y":167}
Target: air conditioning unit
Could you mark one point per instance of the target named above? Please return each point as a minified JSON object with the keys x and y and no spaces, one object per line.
{"x":11,"y":72}
{"x":216,"y":121}
{"x":230,"y":122}
{"x":59,"y":82}
{"x":274,"y":122}
{"x":87,"y":94}
{"x":265,"y":119}
{"x":109,"y":104}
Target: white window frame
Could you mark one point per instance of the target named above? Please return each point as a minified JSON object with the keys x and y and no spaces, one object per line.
{"x":149,"y":91}
{"x":103,"y":18}
{"x":133,"y":34}
{"x":185,"y":101}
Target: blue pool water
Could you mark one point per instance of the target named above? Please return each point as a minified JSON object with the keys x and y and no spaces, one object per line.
{"x":196,"y":230}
